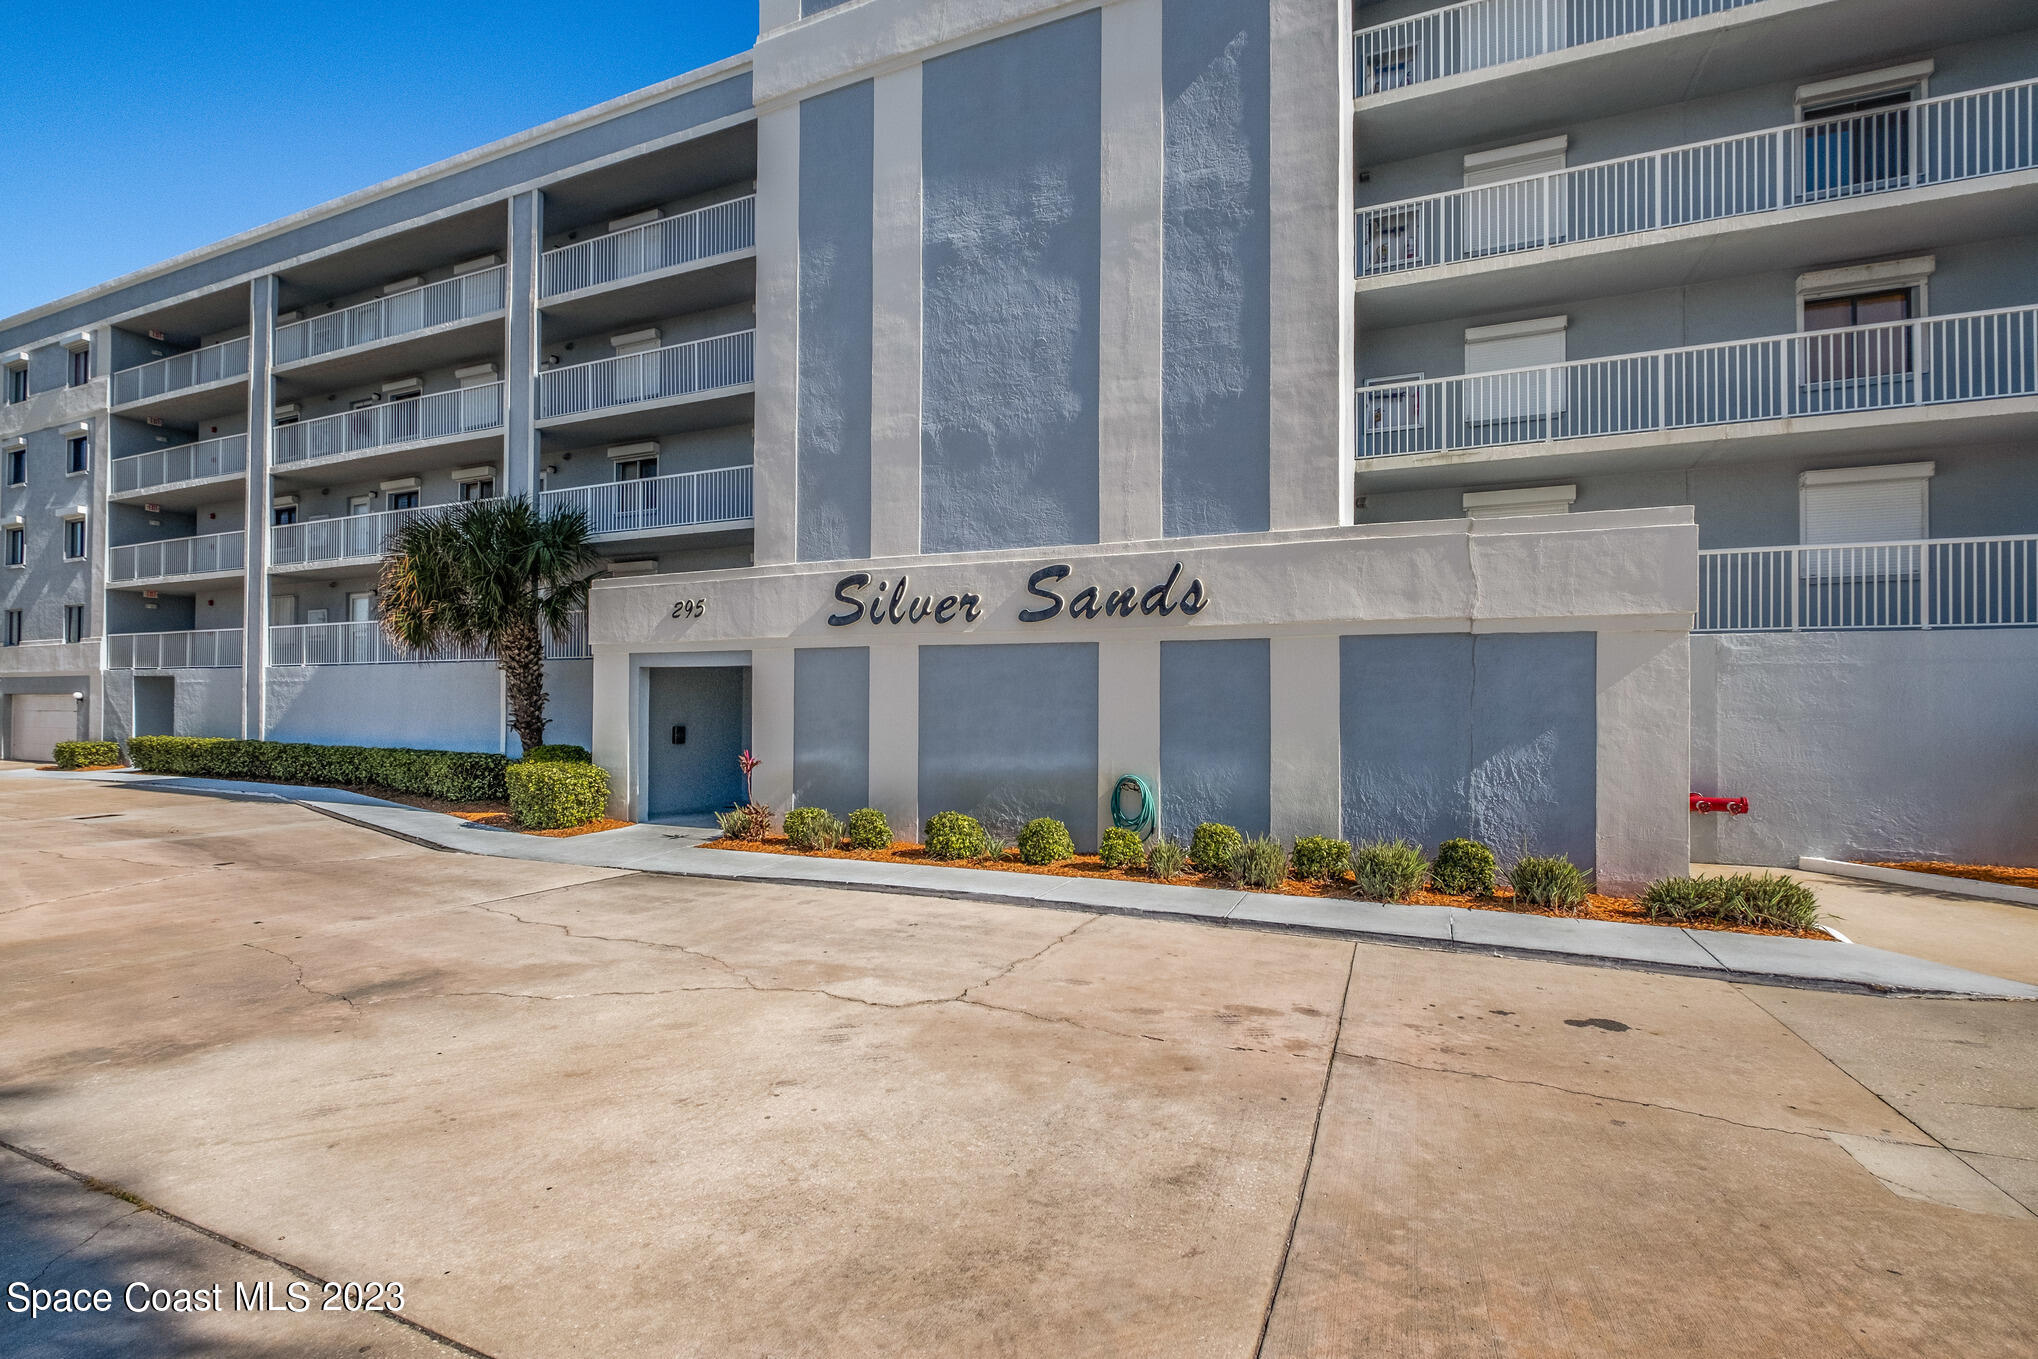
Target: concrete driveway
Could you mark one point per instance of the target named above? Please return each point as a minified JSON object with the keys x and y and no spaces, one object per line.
{"x":578,"y":1111}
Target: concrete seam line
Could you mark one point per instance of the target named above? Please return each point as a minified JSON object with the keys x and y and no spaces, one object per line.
{"x":1308,"y":1161}
{"x":99,"y":1186}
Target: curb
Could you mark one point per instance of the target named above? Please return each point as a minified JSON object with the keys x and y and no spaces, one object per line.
{"x":1943,"y":883}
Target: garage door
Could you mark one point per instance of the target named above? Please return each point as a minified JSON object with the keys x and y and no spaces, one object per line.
{"x":40,"y":721}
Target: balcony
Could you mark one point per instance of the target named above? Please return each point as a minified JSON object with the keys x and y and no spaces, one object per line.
{"x":162,"y":472}
{"x":365,"y":643}
{"x":211,"y":554}
{"x":452,"y":422}
{"x":696,"y":385}
{"x":1920,"y":584}
{"x":207,"y":649}
{"x":1863,"y":387}
{"x":325,"y":542}
{"x":679,"y":264}
{"x":685,"y":500}
{"x":188,"y":386}
{"x":424,"y":322}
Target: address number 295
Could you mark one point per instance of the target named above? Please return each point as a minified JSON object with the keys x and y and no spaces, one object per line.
{"x":690,"y":608}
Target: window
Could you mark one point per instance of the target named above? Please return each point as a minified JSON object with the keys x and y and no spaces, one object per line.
{"x":17,"y":467}
{"x":17,"y":384}
{"x":1856,"y":135}
{"x":12,"y":636}
{"x":78,"y":453}
{"x":1883,"y":504}
{"x":74,"y":622}
{"x":1393,"y":403}
{"x":17,"y":547}
{"x":361,"y":606}
{"x":283,"y":514}
{"x":74,"y":539}
{"x":81,"y":365}
{"x":403,"y":500}
{"x":1393,"y":239}
{"x":1865,"y":353}
{"x":482,"y":489}
{"x":1391,"y":70}
{"x":1508,"y":208}
{"x":1535,"y":346}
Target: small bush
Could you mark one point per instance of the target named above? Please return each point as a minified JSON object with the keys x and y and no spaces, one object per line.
{"x":553,"y":795}
{"x":1120,"y":848}
{"x":1742,"y":899}
{"x":955,"y":835}
{"x":451,"y":775}
{"x":1214,"y":846}
{"x":1165,"y":859}
{"x":1682,"y":898}
{"x":1388,"y":870}
{"x":1261,"y":862}
{"x":812,"y":828}
{"x":1318,"y":858}
{"x":1463,"y":866}
{"x":751,"y":821}
{"x":868,"y":829}
{"x":86,"y":754}
{"x":995,"y":847}
{"x":1554,"y":883}
{"x":1043,"y":841}
{"x":560,"y":754}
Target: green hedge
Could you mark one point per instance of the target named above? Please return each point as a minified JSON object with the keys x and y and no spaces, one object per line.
{"x":1121,"y":848}
{"x":1463,"y":866}
{"x":956,"y":835}
{"x":1045,"y":841}
{"x":553,"y":794}
{"x":1318,"y":858}
{"x":454,"y":775}
{"x":558,"y":755}
{"x":1214,"y":847}
{"x":86,"y":754}
{"x":868,"y":829}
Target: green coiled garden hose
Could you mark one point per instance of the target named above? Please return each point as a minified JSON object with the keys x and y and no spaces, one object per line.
{"x":1147,"y":818}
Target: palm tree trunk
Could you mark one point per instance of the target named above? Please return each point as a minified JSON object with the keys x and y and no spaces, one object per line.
{"x":520,"y":651}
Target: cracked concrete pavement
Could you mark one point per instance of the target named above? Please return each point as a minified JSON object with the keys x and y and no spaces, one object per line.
{"x":590,"y":1111}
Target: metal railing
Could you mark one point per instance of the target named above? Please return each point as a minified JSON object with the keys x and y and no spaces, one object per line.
{"x":170,"y":557}
{"x":206,"y":649}
{"x":388,"y":424}
{"x":676,"y":370}
{"x":717,"y":495}
{"x":348,"y":538}
{"x":1941,"y":360}
{"x":434,"y":304}
{"x":194,"y":368}
{"x":700,"y":234}
{"x":1924,"y":583}
{"x":223,"y":457}
{"x":365,"y":643}
{"x":1482,"y":33}
{"x":1934,"y":141}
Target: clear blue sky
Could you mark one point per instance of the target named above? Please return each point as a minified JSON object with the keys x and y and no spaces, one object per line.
{"x":138,"y":129}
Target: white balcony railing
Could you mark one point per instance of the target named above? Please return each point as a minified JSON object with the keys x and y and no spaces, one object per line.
{"x":677,"y":370}
{"x":208,"y":458}
{"x":703,"y":233}
{"x":1938,"y":361}
{"x":1483,"y":33}
{"x":365,"y":643}
{"x":389,"y":424}
{"x":206,"y":649}
{"x":168,"y":558}
{"x":353,"y":537}
{"x":715,"y":496}
{"x":1935,"y":141}
{"x":1927,"y":583}
{"x":194,"y":368}
{"x":434,"y":304}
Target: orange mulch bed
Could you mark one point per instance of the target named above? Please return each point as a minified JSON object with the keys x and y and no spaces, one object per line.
{"x":81,"y":769}
{"x":2007,"y":876}
{"x":1597,"y":907}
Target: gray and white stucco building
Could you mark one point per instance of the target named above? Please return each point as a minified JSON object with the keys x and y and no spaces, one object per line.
{"x":1504,"y":418}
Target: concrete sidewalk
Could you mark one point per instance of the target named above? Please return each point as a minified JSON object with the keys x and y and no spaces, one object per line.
{"x":678,"y":850}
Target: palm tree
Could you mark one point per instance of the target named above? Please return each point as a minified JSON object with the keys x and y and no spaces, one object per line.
{"x":496,"y":575}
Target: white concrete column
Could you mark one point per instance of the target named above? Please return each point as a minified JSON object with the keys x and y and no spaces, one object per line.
{"x":773,"y":14}
{"x":1310,"y":359}
{"x":520,"y":360}
{"x":255,"y":589}
{"x":1129,"y":318}
{"x":895,"y":315}
{"x":771,"y":725}
{"x":617,"y":736}
{"x":1644,"y":780}
{"x":895,"y":735}
{"x":1306,"y":776}
{"x":1128,"y":716}
{"x":775,"y":489}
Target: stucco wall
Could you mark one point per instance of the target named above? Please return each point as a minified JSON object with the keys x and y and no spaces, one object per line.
{"x":1867,"y":745}
{"x":831,"y":728}
{"x":1008,"y":733}
{"x":833,"y":512}
{"x":48,"y":581}
{"x":1010,"y":260}
{"x":428,"y":706}
{"x":1216,"y":736}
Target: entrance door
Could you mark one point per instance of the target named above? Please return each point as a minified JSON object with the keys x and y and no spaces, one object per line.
{"x":700,"y":724}
{"x":40,"y":721}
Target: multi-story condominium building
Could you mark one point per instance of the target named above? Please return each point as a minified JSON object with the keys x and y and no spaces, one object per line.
{"x":1505,"y":418}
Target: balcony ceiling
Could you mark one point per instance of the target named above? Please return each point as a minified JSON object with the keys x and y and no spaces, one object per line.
{"x":670,"y":292}
{"x":434,"y":245}
{"x":648,"y":419}
{"x":182,"y":323}
{"x":589,"y":202}
{"x":449,"y":346}
{"x":357,"y":469}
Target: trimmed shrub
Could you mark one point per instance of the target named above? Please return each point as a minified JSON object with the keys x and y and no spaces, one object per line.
{"x":1464,"y":866}
{"x":1165,"y":859}
{"x":1741,"y":899}
{"x":1318,"y":858}
{"x":868,"y":829}
{"x":553,"y":794}
{"x":955,"y":835}
{"x":812,"y":828}
{"x":450,"y":775}
{"x":558,"y":755}
{"x":1553,"y":882}
{"x":1120,"y":848}
{"x":86,"y":754}
{"x":1043,"y":841}
{"x":1388,"y":870}
{"x":1261,"y":862}
{"x":1214,"y":846}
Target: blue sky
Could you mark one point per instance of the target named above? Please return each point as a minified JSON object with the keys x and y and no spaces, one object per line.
{"x":137,"y":131}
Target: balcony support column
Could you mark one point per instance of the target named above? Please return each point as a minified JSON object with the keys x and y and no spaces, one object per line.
{"x":520,"y":361}
{"x":255,"y":526}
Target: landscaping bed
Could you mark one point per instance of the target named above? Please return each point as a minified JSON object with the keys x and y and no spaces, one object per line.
{"x":1997,"y":873}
